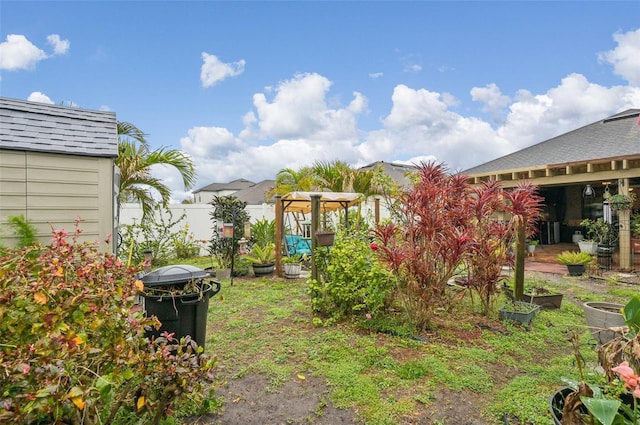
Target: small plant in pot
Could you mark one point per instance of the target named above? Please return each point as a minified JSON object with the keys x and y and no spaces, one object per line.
{"x":531,"y":246}
{"x":519,"y":311}
{"x":575,"y":261}
{"x":262,"y":259}
{"x":542,"y":295}
{"x":293,"y":265}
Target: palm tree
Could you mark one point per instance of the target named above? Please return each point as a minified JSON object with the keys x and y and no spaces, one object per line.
{"x":135,"y":160}
{"x":290,"y":180}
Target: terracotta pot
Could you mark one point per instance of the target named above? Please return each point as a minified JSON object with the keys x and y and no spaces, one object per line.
{"x":325,"y":238}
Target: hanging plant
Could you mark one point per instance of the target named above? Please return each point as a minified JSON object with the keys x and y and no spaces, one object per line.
{"x":622,"y":202}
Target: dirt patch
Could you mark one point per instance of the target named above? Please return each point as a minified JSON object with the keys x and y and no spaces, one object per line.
{"x":251,"y":401}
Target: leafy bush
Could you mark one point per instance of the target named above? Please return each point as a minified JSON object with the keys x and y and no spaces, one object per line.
{"x":227,"y":209}
{"x":25,"y":231}
{"x":263,"y":232}
{"x":158,"y":233}
{"x":351,"y":280}
{"x":72,"y":349}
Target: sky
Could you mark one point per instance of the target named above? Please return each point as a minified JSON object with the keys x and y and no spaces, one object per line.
{"x":249,"y":88}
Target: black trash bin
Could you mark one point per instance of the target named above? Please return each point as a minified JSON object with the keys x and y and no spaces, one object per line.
{"x":178,"y":296}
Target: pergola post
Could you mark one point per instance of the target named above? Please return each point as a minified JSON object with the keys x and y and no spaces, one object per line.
{"x":624,"y":230}
{"x":315,"y":222}
{"x":279,"y":232}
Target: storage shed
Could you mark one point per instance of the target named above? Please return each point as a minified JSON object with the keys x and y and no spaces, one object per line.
{"x":57,"y":164}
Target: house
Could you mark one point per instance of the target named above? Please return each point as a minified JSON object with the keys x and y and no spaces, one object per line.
{"x":205,"y":194}
{"x":57,"y":164}
{"x":598,"y":160}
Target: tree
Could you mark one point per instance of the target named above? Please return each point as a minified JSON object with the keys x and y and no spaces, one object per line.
{"x":136,"y":159}
{"x":290,"y":180}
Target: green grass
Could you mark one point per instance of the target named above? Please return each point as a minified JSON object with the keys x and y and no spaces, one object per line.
{"x":265,"y":327}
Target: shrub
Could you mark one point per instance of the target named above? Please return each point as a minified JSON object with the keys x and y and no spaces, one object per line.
{"x":350,"y":280}
{"x":73,"y":351}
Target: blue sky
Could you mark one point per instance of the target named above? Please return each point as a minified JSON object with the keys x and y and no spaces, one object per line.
{"x":247,"y":88}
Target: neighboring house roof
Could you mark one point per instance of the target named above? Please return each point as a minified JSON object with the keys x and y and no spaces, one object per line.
{"x":615,"y":137}
{"x":398,"y":172}
{"x":256,"y":194}
{"x":33,"y":126}
{"x":235,"y":185}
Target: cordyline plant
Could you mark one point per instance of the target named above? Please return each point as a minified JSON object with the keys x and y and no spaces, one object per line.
{"x":446,"y":222}
{"x":424,"y":250}
{"x":73,"y":351}
{"x":497,"y":217}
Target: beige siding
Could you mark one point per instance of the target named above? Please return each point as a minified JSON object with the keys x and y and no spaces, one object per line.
{"x":52,"y":190}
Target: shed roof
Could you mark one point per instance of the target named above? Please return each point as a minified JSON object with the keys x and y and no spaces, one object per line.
{"x":33,"y":126}
{"x":617,"y":136}
{"x":329,"y":201}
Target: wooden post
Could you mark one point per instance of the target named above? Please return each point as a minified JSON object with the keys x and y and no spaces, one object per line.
{"x":376,"y":210}
{"x":279,"y":232}
{"x":315,"y":221}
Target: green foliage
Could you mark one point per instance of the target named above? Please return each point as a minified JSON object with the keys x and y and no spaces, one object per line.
{"x":600,"y":231}
{"x":74,"y":351}
{"x":263,"y":232}
{"x":574,"y":257}
{"x":261,"y":254}
{"x":351,"y":280}
{"x":24,"y":230}
{"x":185,"y":244}
{"x":227,"y":209}
{"x":159,"y":233}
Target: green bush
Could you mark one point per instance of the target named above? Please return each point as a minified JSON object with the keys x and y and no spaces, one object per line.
{"x":72,"y":349}
{"x":351,"y":280}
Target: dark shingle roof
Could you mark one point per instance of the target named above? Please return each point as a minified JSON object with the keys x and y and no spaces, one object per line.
{"x":256,"y":194}
{"x":398,"y":172}
{"x":33,"y":126}
{"x":238,"y":184}
{"x":614,"y":137}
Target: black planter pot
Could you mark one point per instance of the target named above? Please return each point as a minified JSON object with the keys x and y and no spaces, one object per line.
{"x":544,"y":301}
{"x":556,"y":404}
{"x":575,"y":269}
{"x":522,"y":312}
{"x":263,"y":269}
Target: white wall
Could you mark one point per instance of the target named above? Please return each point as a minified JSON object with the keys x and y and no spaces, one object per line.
{"x":199,"y":219}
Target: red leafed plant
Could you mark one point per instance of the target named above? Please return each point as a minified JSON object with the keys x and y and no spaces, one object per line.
{"x":444,"y":222}
{"x":424,"y":250}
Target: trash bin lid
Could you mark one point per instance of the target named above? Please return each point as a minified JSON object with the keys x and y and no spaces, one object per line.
{"x":175,"y":274}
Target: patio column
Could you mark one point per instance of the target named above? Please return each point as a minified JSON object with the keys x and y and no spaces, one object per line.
{"x":624,"y":231}
{"x":315,"y":221}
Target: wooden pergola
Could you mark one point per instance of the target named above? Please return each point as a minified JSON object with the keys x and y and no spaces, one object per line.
{"x":315,"y":203}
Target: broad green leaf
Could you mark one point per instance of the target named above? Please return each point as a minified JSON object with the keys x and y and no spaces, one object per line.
{"x":603,"y":410}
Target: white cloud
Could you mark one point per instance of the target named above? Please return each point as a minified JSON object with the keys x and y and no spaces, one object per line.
{"x":494,"y":101}
{"x":60,"y":47}
{"x":36,"y":96}
{"x":625,"y":58}
{"x":19,"y":53}
{"x":213,"y":70}
{"x":375,"y":75}
{"x":293,"y":124}
{"x":299,"y":110}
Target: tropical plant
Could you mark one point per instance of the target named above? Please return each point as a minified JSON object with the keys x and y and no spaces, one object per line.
{"x":263,"y":232}
{"x":351,"y":281}
{"x":74,"y":350}
{"x":261,"y":254}
{"x":226,"y":209}
{"x":574,"y":257}
{"x":424,"y":251}
{"x":136,"y":160}
{"x":600,"y":231}
{"x":290,"y":180}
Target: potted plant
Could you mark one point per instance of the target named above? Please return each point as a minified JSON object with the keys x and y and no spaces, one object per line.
{"x":531,"y":246}
{"x":325,"y":237}
{"x":292,"y":266}
{"x":621,"y":201}
{"x":262,"y":259}
{"x":543,"y":296}
{"x":518,"y":311}
{"x":575,"y":261}
{"x":611,"y":402}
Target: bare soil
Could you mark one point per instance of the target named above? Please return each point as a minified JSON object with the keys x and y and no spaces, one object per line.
{"x":250,"y":400}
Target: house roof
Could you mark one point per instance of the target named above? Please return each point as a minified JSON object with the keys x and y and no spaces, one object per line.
{"x":235,"y":185}
{"x":615,"y":137}
{"x":33,"y":126}
{"x":256,"y":194}
{"x":398,"y":172}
